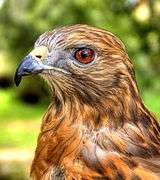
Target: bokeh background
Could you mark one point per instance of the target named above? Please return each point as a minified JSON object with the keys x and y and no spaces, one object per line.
{"x":136,"y":22}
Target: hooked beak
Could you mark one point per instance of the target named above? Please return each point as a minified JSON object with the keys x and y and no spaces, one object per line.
{"x":31,"y":64}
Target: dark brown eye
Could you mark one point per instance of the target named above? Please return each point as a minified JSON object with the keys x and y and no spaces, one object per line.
{"x":84,"y":55}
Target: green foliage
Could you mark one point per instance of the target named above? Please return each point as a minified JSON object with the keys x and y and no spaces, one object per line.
{"x":15,"y":109}
{"x":19,"y":122}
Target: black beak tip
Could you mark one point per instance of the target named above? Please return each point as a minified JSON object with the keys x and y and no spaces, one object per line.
{"x":17,"y":79}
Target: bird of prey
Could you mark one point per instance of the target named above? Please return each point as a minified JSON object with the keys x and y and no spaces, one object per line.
{"x":97,"y":126}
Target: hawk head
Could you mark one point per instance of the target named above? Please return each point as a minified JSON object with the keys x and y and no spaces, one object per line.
{"x":81,"y":61}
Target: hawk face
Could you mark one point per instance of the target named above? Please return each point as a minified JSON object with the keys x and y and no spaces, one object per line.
{"x":79,"y":60}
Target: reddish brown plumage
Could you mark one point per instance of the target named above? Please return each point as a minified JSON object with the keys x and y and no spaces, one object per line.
{"x":97,"y":126}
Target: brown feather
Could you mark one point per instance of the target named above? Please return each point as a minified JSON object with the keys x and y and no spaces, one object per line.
{"x":97,"y":126}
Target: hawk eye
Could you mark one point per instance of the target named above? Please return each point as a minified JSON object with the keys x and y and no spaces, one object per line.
{"x":84,"y":55}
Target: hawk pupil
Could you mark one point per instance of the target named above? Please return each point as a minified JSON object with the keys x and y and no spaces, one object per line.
{"x":84,"y":53}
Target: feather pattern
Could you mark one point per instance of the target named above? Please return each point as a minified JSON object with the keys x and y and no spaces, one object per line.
{"x":97,"y":126}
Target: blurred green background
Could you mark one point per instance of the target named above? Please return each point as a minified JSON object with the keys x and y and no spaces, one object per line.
{"x":136,"y":22}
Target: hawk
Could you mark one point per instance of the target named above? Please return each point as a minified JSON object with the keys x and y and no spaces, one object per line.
{"x":97,"y":126}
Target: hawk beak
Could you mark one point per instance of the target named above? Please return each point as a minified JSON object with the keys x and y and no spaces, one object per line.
{"x":32,"y":64}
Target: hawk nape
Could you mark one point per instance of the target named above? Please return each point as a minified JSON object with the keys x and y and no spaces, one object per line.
{"x":96,"y":126}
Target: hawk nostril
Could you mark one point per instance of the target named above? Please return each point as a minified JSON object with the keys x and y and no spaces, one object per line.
{"x":39,"y":56}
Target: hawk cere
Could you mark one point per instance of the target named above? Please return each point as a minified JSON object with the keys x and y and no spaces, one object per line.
{"x":96,"y":126}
